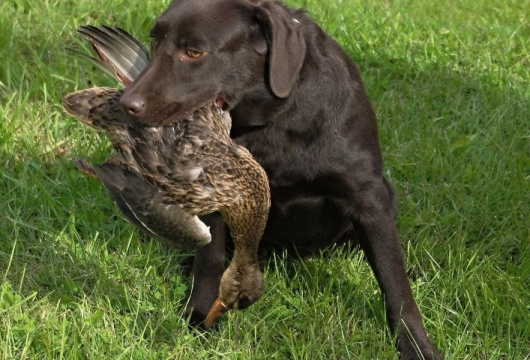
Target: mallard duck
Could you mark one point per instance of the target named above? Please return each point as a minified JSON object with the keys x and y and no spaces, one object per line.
{"x":162,"y":178}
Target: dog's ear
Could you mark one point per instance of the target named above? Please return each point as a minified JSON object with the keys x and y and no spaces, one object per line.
{"x":286,"y":46}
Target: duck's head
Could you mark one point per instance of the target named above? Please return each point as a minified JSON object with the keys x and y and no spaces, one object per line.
{"x":241,"y":286}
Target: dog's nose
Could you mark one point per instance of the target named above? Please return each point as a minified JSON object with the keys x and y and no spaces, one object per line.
{"x":133,"y":104}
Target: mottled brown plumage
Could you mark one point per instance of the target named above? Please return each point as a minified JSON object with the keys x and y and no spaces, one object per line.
{"x":163,"y":177}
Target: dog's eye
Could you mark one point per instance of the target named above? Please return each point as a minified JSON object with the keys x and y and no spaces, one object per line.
{"x":194,"y":54}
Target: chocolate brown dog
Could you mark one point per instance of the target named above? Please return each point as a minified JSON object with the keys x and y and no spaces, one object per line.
{"x":298,"y":104}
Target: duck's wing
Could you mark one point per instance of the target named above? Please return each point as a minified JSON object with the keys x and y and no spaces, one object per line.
{"x":118,"y":53}
{"x":138,"y":148}
{"x":142,"y":207}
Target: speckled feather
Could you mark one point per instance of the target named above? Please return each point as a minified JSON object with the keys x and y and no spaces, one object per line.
{"x":192,"y":162}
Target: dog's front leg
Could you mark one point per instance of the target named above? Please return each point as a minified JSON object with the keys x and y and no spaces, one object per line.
{"x":208,"y":267}
{"x":385,"y":256}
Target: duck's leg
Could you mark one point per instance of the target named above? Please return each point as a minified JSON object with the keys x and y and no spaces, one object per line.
{"x":208,"y":267}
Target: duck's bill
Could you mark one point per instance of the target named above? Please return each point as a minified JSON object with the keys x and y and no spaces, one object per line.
{"x":216,"y":311}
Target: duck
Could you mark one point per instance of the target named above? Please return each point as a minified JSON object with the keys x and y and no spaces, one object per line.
{"x":163,"y":178}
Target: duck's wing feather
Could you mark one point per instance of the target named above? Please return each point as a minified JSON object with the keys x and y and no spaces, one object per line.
{"x":142,"y":207}
{"x":119,"y":54}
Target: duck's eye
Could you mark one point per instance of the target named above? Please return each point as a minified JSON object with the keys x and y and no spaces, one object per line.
{"x":194,"y":54}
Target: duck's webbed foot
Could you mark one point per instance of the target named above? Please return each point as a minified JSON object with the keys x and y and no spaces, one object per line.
{"x":241,"y":286}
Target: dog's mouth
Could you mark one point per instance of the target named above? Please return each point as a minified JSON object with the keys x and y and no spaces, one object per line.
{"x":176,"y":115}
{"x":220,"y":103}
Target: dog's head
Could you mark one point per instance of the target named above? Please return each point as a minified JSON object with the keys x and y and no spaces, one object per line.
{"x":220,"y":51}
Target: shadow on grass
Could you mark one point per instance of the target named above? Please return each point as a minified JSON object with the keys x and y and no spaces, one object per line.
{"x":64,"y":241}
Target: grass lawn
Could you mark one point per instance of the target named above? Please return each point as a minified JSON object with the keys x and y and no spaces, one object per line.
{"x":450,"y":84}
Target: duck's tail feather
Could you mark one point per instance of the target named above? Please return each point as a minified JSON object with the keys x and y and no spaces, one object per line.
{"x":118,"y":53}
{"x":100,"y":109}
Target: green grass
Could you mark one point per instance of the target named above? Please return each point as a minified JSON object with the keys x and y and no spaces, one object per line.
{"x":449,"y":82}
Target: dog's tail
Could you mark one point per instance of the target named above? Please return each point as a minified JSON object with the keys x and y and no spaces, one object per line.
{"x":118,"y":53}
